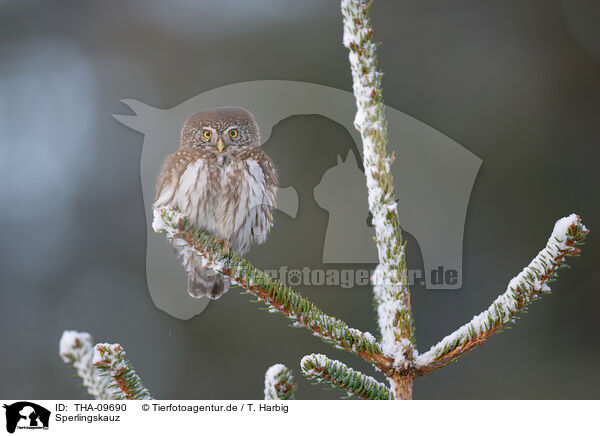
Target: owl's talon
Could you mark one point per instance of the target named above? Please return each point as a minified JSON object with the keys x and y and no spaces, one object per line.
{"x":224,"y":243}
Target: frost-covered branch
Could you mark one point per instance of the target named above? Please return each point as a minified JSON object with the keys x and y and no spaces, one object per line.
{"x":529,"y":285}
{"x":279,"y":383}
{"x":277,"y":297}
{"x":391,"y":292}
{"x":325,"y":370}
{"x":110,"y":359}
{"x":77,"y":348}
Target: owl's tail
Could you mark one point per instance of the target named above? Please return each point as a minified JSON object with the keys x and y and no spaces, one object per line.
{"x":205,"y":285}
{"x":203,"y":282}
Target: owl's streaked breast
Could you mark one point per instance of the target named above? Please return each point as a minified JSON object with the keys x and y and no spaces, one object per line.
{"x":218,"y":196}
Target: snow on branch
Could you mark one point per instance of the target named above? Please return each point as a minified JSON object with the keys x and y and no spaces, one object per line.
{"x":324,"y":370}
{"x":391,"y":284}
{"x":276,"y":296}
{"x":77,"y":349}
{"x":279,"y":383}
{"x":110,"y":359}
{"x":529,"y":285}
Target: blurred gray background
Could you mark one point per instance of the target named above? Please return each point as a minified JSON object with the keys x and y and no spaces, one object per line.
{"x":515,"y":82}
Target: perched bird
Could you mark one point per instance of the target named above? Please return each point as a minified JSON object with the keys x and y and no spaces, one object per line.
{"x":223,"y":183}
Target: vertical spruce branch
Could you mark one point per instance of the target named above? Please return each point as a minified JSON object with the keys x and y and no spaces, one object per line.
{"x":391,"y":291}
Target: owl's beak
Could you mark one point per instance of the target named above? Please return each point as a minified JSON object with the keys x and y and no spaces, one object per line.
{"x":220,"y":144}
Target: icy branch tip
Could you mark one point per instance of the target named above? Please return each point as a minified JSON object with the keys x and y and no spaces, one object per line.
{"x":310,"y":361}
{"x":109,"y":357}
{"x":279,"y":383}
{"x":71,"y":341}
{"x":563,"y":227}
{"x":166,"y":220}
{"x":272,"y":374}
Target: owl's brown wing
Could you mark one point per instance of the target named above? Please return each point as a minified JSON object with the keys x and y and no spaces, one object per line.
{"x":255,"y":157}
{"x":266,"y":165}
{"x":173,"y":167}
{"x":260,"y":182}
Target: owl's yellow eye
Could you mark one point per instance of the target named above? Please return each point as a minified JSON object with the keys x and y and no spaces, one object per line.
{"x":207,"y":134}
{"x":233,"y":133}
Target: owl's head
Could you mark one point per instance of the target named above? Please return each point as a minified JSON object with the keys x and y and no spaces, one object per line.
{"x":222,"y":130}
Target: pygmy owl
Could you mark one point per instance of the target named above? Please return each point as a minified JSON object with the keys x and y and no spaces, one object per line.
{"x":223,"y":183}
